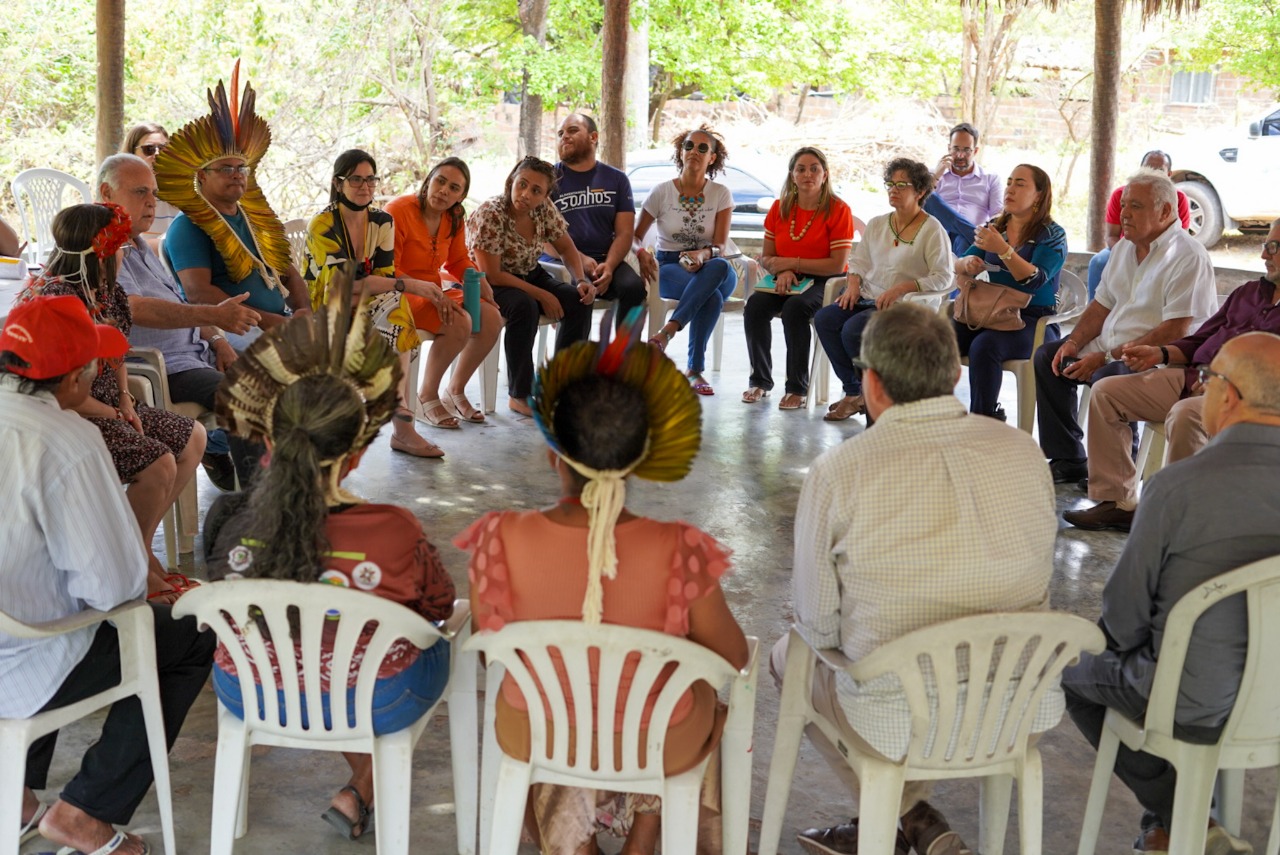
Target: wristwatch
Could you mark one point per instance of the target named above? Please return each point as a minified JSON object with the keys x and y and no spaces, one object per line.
{"x":216,"y":337}
{"x":400,"y":285}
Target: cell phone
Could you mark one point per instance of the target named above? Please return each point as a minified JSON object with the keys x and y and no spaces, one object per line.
{"x":1067,"y":361}
{"x":686,"y":261}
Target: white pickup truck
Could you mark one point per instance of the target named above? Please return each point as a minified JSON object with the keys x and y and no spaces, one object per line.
{"x":1232,"y":180}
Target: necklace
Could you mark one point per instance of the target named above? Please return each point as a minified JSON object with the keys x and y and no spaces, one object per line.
{"x":796,"y":238}
{"x":691,"y":202}
{"x":897,"y":235}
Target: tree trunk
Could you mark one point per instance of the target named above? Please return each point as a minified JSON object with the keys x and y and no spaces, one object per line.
{"x":804,"y":95}
{"x":613,"y":91}
{"x":533,"y":22}
{"x":637,"y":83}
{"x":110,"y":87}
{"x":1108,"y":15}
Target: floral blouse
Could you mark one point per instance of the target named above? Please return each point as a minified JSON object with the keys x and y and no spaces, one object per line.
{"x":491,"y":228}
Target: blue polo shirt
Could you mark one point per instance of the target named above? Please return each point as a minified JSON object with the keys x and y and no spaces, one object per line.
{"x":187,"y":247}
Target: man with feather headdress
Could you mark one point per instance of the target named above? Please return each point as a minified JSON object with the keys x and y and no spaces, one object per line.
{"x":227,"y":240}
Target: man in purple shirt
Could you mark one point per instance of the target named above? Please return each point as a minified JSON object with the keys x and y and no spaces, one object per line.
{"x":1171,"y":395}
{"x":964,"y":195}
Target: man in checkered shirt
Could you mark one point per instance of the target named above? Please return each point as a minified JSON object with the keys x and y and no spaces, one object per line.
{"x":933,"y":514}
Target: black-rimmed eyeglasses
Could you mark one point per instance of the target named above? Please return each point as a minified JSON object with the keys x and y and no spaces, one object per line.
{"x":1204,"y":372}
{"x":1271,"y":247}
{"x":361,"y":180}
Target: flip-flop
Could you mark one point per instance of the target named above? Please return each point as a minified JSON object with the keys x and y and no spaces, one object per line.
{"x":31,"y":830}
{"x":343,"y":824}
{"x":754,"y":394}
{"x":800,"y":403}
{"x":701,"y":386}
{"x":110,"y":846}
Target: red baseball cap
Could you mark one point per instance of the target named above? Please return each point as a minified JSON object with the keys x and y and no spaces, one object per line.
{"x":55,"y":336}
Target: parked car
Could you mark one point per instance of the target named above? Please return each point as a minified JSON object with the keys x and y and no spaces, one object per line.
{"x":1231,"y":179}
{"x":752,"y":194}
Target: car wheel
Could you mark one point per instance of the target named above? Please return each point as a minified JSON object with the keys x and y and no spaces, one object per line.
{"x":1206,"y":212}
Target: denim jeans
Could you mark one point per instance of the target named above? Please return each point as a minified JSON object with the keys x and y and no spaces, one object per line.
{"x":840,"y":332}
{"x":701,"y":298}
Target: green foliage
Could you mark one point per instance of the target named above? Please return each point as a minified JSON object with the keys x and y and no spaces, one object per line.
{"x":1238,"y":35}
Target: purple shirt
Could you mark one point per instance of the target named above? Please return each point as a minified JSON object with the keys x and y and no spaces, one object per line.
{"x":977,"y":195}
{"x":1251,"y":307}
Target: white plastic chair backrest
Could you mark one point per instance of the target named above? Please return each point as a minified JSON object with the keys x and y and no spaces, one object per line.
{"x":524,"y":649}
{"x":295,"y":231}
{"x":1072,"y":294}
{"x":229,"y":608}
{"x":953,"y":728}
{"x":1253,"y":718}
{"x":859,"y":229}
{"x":45,"y":191}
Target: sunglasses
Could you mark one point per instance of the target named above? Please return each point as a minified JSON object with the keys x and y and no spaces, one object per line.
{"x":690,"y":145}
{"x":228,"y":171}
{"x":360,"y":180}
{"x":152,"y":149}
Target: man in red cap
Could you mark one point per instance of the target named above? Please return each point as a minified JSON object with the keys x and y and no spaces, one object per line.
{"x":69,"y":542}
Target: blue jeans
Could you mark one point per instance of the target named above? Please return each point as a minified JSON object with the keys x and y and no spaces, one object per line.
{"x":1096,"y":265}
{"x":958,"y":228}
{"x":398,"y":701}
{"x":840,"y":332}
{"x":701,"y":297}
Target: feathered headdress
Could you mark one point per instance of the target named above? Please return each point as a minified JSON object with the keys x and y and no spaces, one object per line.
{"x":232,"y":129}
{"x":335,"y":343}
{"x":675,"y":432}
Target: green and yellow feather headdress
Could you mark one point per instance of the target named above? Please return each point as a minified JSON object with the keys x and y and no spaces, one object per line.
{"x":333,"y":342}
{"x":232,"y":129}
{"x":674,"y":433}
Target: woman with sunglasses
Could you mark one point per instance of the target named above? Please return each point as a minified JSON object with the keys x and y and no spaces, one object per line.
{"x":691,"y":213}
{"x":351,"y":228}
{"x":807,"y":237}
{"x":147,"y":140}
{"x":903,"y":252}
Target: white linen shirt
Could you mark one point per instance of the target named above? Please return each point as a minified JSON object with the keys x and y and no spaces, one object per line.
{"x":931,"y":515}
{"x":1175,"y":280}
{"x":68,"y":541}
{"x":926,"y":260}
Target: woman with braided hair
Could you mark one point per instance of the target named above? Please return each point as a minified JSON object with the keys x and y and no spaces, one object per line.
{"x":608,"y":411}
{"x":317,"y":390}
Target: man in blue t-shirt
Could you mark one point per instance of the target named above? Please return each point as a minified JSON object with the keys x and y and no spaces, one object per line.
{"x":201,"y":268}
{"x":596,"y":201}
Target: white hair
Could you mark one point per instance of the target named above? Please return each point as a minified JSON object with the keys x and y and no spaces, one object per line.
{"x":109,"y":170}
{"x":1162,"y":189}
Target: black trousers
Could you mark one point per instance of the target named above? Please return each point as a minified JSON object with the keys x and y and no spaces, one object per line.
{"x":115,"y":772}
{"x":797,"y":311}
{"x":200,"y":386}
{"x":1057,"y":405}
{"x":627,"y":288}
{"x":521,"y":312}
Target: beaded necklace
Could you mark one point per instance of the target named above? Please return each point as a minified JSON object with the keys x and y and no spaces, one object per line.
{"x":691,"y":203}
{"x":791,"y":228}
{"x":897,"y":235}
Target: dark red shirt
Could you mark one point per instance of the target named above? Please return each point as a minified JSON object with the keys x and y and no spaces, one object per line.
{"x":1250,"y":307}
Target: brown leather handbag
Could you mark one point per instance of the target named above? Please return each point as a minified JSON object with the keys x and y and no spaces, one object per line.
{"x":985,"y":305}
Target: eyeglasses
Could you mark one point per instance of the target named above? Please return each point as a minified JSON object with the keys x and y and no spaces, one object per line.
{"x":360,"y":180}
{"x":228,"y":171}
{"x":897,"y":185}
{"x":690,"y":145}
{"x":1204,"y":372}
{"x":1271,"y":247}
{"x":956,"y":150}
{"x":152,"y":149}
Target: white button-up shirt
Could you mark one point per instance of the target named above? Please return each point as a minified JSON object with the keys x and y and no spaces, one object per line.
{"x":68,"y":541}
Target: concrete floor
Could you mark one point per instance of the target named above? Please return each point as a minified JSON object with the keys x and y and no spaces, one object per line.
{"x":743,"y":491}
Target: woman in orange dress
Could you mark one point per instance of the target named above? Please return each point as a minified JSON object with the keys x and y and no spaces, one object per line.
{"x":430,"y":230}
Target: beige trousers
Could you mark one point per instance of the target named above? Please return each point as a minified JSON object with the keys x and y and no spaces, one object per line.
{"x":1152,"y":396}
{"x":827,"y":704}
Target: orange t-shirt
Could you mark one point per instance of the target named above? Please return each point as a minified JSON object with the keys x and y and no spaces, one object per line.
{"x":817,"y":235}
{"x":421,"y":255}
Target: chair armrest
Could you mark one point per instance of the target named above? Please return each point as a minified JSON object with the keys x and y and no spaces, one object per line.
{"x":147,"y":363}
{"x":460,"y":618}
{"x":558,"y":270}
{"x":62,"y":626}
{"x":832,"y":289}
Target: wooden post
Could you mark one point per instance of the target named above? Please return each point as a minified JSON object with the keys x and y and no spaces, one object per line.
{"x":613,"y":90}
{"x":1108,"y":15}
{"x":110,"y":88}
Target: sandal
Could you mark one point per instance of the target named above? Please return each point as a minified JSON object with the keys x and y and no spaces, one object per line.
{"x":107,"y":848}
{"x":700,"y":384}
{"x":792,"y":401}
{"x":343,"y":824}
{"x":462,"y":408}
{"x":754,"y":394}
{"x":660,"y":340}
{"x":181,"y":583}
{"x":31,"y":830}
{"x":844,"y":408}
{"x":430,"y":414}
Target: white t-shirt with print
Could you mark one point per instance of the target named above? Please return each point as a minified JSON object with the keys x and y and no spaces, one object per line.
{"x":681,"y":228}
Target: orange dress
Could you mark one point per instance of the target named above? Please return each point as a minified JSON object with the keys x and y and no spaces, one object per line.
{"x":421,"y":255}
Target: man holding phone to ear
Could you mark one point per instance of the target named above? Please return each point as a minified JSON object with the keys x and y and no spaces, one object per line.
{"x":1158,"y":286}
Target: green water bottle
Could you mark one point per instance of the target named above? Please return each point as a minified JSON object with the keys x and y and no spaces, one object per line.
{"x":471,"y":296}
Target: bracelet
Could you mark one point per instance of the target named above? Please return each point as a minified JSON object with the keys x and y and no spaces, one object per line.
{"x":217,"y":337}
{"x":119,"y":415}
{"x":1164,"y":353}
{"x":124,"y":392}
{"x":1005,"y":256}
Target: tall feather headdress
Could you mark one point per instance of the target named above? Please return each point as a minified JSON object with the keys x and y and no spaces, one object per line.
{"x":232,"y":129}
{"x":674,"y":433}
{"x":333,"y":342}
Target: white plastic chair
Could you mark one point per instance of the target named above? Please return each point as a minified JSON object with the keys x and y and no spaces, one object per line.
{"x":45,"y":192}
{"x":523,"y":650}
{"x":952,"y":735}
{"x":135,"y":627}
{"x":1250,"y":740}
{"x":229,"y":608}
{"x":1072,"y":299}
{"x":295,"y":231}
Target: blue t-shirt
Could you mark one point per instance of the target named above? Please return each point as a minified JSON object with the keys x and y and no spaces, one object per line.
{"x":589,"y":202}
{"x":187,"y":246}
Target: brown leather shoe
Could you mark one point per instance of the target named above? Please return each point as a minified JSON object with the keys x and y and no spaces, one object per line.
{"x":841,"y":840}
{"x":928,"y":833}
{"x":1101,"y":516}
{"x":845,"y":408}
{"x":1153,"y":841}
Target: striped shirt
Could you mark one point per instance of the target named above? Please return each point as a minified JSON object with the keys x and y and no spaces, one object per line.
{"x":68,"y":541}
{"x":932,"y":514}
